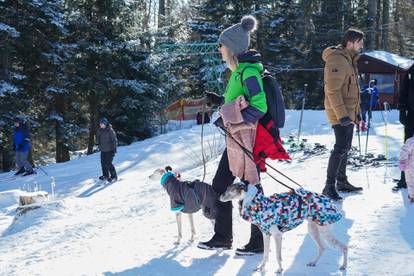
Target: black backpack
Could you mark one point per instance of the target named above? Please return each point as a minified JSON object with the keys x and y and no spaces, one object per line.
{"x":275,"y":102}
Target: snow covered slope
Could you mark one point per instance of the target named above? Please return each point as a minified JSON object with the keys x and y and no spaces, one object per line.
{"x":126,"y":228}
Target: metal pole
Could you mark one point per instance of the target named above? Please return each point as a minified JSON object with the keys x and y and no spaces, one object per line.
{"x":359,"y":140}
{"x":386,"y":109}
{"x":301,"y":112}
{"x":369,"y":118}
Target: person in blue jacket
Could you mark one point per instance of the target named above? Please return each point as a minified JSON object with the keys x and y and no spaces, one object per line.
{"x":21,"y":145}
{"x":369,"y":101}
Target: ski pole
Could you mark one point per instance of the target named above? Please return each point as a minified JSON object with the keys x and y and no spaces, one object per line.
{"x":369,"y":120}
{"x":202,"y":140}
{"x":386,"y":108}
{"x":301,"y":112}
{"x":52,"y":182}
{"x":359,"y":140}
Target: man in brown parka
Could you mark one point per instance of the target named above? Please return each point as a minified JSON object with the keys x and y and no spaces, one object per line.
{"x":342,"y":107}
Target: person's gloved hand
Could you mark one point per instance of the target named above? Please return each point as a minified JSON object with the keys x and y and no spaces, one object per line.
{"x":213,"y":98}
{"x":219,"y":123}
{"x":403,"y":117}
{"x":19,"y":147}
{"x":403,"y":165}
{"x":345,"y":121}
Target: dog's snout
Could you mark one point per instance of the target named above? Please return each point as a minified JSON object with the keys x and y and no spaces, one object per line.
{"x":224,"y":197}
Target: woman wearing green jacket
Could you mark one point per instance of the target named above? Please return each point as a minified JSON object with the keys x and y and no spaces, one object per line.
{"x":245,"y":80}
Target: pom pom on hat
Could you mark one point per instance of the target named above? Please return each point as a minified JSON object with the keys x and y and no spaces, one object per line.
{"x":249,"y":23}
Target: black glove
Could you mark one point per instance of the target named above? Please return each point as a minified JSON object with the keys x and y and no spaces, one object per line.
{"x":213,"y":98}
{"x":345,"y":121}
{"x":358,"y":117}
{"x":19,"y":147}
{"x":219,"y":123}
{"x":403,"y":116}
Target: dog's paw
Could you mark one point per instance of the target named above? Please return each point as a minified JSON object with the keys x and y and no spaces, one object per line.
{"x":260,"y":268}
{"x":311,"y":264}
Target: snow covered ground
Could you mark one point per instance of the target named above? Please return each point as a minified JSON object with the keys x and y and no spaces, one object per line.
{"x":126,"y":228}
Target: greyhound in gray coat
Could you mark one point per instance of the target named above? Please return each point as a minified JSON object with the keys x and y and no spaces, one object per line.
{"x":187,"y":197}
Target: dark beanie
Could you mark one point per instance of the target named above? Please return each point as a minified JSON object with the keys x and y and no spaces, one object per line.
{"x":237,"y":37}
{"x":104,"y":121}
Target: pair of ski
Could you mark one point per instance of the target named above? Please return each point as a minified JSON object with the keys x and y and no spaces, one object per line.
{"x":14,"y":177}
{"x":385,"y":119}
{"x":357,"y":161}
{"x":106,"y":181}
{"x":307,"y":151}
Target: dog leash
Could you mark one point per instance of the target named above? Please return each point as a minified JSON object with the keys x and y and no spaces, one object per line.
{"x":251,"y":155}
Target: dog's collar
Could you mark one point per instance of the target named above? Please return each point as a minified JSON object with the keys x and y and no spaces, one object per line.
{"x":165,"y":177}
{"x":249,"y":194}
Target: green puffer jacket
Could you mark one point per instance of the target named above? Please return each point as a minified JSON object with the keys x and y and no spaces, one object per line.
{"x":252,"y":87}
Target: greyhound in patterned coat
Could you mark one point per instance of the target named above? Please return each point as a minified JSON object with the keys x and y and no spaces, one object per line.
{"x":280,"y":213}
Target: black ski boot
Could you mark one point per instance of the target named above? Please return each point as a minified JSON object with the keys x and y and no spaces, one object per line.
{"x":103,"y":177}
{"x":215,"y":243}
{"x":249,"y":249}
{"x":29,"y":173}
{"x":400,"y":185}
{"x":330,"y":191}
{"x":345,"y":186}
{"x":20,"y":171}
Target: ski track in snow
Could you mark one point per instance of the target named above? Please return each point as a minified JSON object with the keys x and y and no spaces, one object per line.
{"x":126,"y":227}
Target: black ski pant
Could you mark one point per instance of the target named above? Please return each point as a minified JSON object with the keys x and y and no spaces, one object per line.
{"x":223,"y":228}
{"x":364,"y":111}
{"x":339,"y":155}
{"x":106,"y":163}
{"x":408,"y":132}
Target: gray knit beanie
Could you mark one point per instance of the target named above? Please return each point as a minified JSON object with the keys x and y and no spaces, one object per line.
{"x":237,"y":37}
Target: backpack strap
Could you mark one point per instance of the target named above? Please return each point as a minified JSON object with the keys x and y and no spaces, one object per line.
{"x":241,"y":78}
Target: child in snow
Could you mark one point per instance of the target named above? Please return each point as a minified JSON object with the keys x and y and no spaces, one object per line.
{"x":407,"y":165}
{"x":107,"y":142}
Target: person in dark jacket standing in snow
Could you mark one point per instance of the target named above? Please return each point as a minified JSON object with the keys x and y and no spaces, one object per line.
{"x":406,"y":107}
{"x":21,"y":145}
{"x":245,"y":80}
{"x":107,"y":142}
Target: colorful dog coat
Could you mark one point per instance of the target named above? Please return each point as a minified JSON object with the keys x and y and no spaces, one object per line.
{"x":289,"y":210}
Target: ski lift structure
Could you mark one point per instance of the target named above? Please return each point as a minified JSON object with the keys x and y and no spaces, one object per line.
{"x":211,"y":64}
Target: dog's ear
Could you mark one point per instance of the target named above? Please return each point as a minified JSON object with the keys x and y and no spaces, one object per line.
{"x":168,"y":169}
{"x":242,"y":186}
